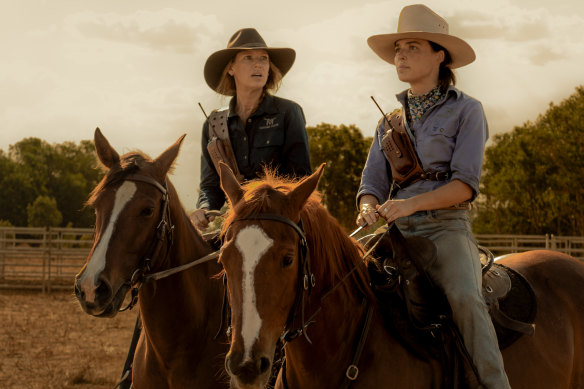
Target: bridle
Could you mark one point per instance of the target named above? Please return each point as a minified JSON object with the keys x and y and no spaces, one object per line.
{"x":164,"y":234}
{"x":307,"y":281}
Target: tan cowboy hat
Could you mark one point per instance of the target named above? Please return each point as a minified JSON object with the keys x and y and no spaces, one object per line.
{"x":245,"y":39}
{"x":420,"y":22}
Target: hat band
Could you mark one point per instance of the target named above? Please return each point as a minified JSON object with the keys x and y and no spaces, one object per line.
{"x":250,"y":45}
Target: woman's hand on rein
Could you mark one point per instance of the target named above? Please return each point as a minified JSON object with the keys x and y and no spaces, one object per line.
{"x":367,"y":215}
{"x":200,"y":219}
{"x":394,"y":209}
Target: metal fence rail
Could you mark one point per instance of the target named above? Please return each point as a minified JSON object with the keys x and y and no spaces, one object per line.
{"x":505,"y":244}
{"x":42,"y":258}
{"x":49,"y":258}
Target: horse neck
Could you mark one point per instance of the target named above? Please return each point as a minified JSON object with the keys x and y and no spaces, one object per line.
{"x":333,"y":349}
{"x":343,"y":303}
{"x":189,"y":299}
{"x":335,"y":333}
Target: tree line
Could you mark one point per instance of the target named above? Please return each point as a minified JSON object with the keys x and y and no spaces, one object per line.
{"x":530,"y":184}
{"x":47,"y":185}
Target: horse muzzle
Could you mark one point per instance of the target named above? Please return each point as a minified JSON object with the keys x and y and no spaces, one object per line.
{"x":251,"y":373}
{"x":98,"y":299}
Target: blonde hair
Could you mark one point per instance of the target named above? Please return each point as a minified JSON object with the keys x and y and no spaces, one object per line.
{"x":227,"y":87}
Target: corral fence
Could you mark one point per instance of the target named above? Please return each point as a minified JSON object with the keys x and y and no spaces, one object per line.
{"x":506,"y":244}
{"x":48,"y":258}
{"x":42,"y":258}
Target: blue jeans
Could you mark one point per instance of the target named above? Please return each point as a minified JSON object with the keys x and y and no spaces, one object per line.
{"x":458,"y":272}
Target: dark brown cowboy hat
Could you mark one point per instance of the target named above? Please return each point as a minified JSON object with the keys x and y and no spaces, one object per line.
{"x":245,"y":39}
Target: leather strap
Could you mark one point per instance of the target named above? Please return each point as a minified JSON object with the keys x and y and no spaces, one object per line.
{"x":219,"y":145}
{"x":352,"y":371}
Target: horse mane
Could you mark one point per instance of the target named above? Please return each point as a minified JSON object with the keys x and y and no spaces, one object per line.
{"x":333,"y":253}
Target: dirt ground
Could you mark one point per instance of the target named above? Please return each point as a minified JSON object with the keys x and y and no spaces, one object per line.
{"x":48,"y":342}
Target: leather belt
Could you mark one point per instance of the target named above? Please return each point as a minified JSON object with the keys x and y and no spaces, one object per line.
{"x":435,"y":176}
{"x":429,"y":176}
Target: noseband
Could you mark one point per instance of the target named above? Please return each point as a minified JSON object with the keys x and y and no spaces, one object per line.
{"x":306,"y":279}
{"x":164,"y":231}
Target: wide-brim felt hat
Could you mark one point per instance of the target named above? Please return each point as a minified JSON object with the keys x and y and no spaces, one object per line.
{"x":245,"y":39}
{"x":420,"y":22}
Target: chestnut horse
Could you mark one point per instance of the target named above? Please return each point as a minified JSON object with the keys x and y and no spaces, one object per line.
{"x":276,"y":286}
{"x":142,"y":230}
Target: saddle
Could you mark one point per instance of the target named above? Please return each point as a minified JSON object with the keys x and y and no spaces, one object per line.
{"x":417,"y":313}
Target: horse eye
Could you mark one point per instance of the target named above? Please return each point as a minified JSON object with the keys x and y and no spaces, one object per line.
{"x":287,"y":261}
{"x":147,"y":211}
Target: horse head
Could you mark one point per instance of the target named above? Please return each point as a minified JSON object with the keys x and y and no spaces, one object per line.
{"x":132,"y":229}
{"x":261,"y":254}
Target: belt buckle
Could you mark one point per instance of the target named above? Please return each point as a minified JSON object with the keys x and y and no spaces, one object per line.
{"x":442,"y":176}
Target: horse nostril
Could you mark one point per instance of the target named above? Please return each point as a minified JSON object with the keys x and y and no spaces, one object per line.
{"x":78,"y":292}
{"x":103,"y":290}
{"x":264,"y":365}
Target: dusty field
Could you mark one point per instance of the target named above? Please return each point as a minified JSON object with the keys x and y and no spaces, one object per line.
{"x":47,"y":342}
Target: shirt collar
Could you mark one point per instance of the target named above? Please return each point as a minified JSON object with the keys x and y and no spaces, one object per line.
{"x":267,"y":105}
{"x":402,"y":97}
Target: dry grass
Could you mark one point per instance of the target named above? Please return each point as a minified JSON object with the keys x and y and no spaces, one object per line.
{"x":48,"y":342}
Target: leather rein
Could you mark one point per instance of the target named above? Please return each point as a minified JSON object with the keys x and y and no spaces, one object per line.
{"x":306,"y":281}
{"x":164,"y":233}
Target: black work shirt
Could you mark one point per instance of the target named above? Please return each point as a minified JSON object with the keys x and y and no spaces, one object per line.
{"x":274,"y":136}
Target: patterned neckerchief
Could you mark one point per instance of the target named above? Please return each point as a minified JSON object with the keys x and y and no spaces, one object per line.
{"x":418,"y":105}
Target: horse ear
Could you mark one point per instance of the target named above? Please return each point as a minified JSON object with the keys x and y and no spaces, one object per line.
{"x":305,"y":188}
{"x":165,"y":160}
{"x":105,"y":152}
{"x":229,"y":184}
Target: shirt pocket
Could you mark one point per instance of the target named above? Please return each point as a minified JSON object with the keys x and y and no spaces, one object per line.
{"x":447,"y":131}
{"x":272,"y":137}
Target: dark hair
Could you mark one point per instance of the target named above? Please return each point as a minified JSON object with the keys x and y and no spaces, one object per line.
{"x":446,"y":75}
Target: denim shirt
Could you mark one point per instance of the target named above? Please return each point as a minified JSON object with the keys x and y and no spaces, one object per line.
{"x":274,"y":136}
{"x":450,"y":136}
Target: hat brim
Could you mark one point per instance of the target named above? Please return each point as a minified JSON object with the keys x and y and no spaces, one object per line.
{"x":282,"y":57}
{"x":461,"y":53}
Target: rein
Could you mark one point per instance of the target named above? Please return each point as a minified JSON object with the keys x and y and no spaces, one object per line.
{"x":164,"y":231}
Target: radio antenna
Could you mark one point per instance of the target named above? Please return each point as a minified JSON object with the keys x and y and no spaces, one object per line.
{"x":205,"y":113}
{"x":380,"y":110}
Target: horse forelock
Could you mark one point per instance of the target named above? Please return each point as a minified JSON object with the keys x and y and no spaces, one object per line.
{"x":263,"y":195}
{"x":333,"y":254}
{"x":130,"y":163}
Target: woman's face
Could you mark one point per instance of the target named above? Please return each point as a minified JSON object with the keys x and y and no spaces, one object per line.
{"x":416,"y":62}
{"x":250,"y":69}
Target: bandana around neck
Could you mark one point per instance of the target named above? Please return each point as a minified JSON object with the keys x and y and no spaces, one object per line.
{"x":418,"y":105}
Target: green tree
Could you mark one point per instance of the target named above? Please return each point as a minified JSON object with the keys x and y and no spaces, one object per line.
{"x":16,"y":191}
{"x":532,"y":176}
{"x":43,"y":212}
{"x":344,"y":150}
{"x":65,"y":172}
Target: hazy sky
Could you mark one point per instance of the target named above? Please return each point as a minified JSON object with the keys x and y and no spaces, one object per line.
{"x":135,"y":67}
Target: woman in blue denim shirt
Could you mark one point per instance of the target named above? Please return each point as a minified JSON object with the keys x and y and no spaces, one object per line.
{"x":448,"y":130}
